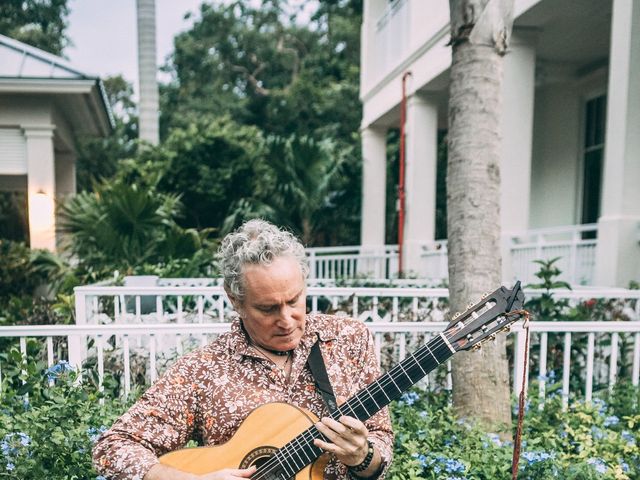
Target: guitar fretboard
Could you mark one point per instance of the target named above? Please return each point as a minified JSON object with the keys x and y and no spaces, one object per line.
{"x":301,"y":451}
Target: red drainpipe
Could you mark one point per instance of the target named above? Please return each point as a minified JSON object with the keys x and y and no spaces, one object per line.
{"x":403,"y":119}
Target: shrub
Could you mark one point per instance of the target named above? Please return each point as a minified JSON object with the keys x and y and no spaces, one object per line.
{"x":587,"y":441}
{"x":48,"y":431}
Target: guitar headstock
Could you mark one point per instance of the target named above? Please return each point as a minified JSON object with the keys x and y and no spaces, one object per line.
{"x":484,"y":319}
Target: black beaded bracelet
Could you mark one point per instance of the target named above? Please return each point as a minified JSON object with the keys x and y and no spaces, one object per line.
{"x":362,"y":466}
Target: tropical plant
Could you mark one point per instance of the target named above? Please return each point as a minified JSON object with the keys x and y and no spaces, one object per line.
{"x":122,"y":226}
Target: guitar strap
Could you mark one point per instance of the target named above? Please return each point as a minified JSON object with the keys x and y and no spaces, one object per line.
{"x":320,"y":377}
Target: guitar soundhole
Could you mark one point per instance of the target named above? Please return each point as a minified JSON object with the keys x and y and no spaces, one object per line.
{"x":258,"y":457}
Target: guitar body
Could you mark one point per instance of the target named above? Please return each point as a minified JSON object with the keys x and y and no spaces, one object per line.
{"x":266,"y":429}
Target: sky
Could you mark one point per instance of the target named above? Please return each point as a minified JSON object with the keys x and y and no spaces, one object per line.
{"x":104,"y":34}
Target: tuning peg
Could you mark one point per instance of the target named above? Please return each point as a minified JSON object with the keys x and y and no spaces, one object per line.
{"x":507,"y":329}
{"x":492,"y":337}
{"x":456,"y":315}
{"x":484,"y":295}
{"x":471,"y":304}
{"x":477,"y":347}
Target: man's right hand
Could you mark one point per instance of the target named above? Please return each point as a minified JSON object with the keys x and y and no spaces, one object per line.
{"x":163,"y":472}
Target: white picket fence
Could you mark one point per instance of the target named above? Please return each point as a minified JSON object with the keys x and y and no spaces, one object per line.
{"x":573,"y":244}
{"x":151,"y":326}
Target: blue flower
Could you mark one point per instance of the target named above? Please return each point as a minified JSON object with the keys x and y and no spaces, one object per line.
{"x":55,"y":371}
{"x":495,"y":439}
{"x":454,"y":466}
{"x":421,"y":458}
{"x":25,"y":440}
{"x":449,"y":441}
{"x":612,"y":420}
{"x":10,"y":467}
{"x":600,"y":405}
{"x":597,"y":433}
{"x":100,"y":477}
{"x":534,"y":457}
{"x":409,"y":398}
{"x":94,"y":433}
{"x":628,"y":437}
{"x":624,"y":466}
{"x":598,"y":464}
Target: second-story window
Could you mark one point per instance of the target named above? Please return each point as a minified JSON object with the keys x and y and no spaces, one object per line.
{"x":595,"y":122}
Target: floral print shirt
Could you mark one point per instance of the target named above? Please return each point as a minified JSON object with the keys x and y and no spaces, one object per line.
{"x":206,"y":394}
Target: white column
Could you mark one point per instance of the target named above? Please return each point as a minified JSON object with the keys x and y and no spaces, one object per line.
{"x":420,"y":180}
{"x":517,"y":133}
{"x":618,"y":249}
{"x":374,"y":184}
{"x":41,"y":189}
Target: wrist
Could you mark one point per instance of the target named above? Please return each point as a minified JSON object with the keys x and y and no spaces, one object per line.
{"x":366,"y":461}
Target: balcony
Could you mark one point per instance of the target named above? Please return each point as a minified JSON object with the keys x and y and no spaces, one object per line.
{"x":575,"y":245}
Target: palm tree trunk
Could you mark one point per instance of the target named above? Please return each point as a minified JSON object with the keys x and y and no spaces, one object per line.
{"x":479,"y":29}
{"x":148,"y":122}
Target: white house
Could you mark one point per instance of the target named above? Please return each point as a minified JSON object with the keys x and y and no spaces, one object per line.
{"x":571,"y":135}
{"x":45,"y":104}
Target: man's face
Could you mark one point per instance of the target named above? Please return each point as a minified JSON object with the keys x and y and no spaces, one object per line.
{"x":274,"y":306}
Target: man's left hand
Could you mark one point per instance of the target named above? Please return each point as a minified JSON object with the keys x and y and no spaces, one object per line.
{"x":348,"y":439}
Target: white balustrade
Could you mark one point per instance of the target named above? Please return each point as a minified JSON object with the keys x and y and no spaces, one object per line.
{"x":117,"y":333}
{"x":393,"y":341}
{"x":574,"y":244}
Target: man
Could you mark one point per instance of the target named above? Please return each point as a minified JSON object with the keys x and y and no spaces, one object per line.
{"x":209,"y":392}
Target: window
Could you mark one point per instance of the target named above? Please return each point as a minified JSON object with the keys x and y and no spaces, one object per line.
{"x":595,"y":122}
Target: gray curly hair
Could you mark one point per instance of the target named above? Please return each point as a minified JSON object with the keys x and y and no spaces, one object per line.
{"x":256,"y":242}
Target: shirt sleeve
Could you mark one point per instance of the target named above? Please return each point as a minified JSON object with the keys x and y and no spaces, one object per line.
{"x":162,"y":420}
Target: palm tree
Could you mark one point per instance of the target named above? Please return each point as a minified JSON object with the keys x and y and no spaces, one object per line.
{"x":480,"y":30}
{"x":148,"y":127}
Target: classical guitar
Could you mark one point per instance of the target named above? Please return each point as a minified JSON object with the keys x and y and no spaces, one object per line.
{"x":278,"y":437}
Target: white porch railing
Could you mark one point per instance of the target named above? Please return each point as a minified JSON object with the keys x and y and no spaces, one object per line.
{"x":574,"y":245}
{"x":393,"y":341}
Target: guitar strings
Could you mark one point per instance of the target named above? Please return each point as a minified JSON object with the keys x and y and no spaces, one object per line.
{"x":309,"y":435}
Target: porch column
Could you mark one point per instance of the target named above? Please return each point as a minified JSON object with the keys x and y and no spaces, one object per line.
{"x":618,"y":248}
{"x":420,"y":180}
{"x":374,"y":184}
{"x":517,"y":133}
{"x":41,"y":189}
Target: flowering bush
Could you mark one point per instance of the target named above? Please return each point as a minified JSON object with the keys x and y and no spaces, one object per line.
{"x":49,"y":421}
{"x":583,"y":442}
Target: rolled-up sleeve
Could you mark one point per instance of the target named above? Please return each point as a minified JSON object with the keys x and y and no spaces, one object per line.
{"x":162,"y":420}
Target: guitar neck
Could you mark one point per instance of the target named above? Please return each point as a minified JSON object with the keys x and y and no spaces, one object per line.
{"x":301,"y":451}
{"x":393,"y":384}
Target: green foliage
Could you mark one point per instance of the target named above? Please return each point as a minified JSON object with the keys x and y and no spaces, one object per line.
{"x":14,"y":224}
{"x":212,"y":163}
{"x":39,"y":23}
{"x":126,"y":226}
{"x":48,"y":431}
{"x":587,"y":441}
{"x":51,"y":436}
{"x":293,"y":82}
{"x":99,"y":158}
{"x":546,"y":307}
{"x":18,"y":274}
